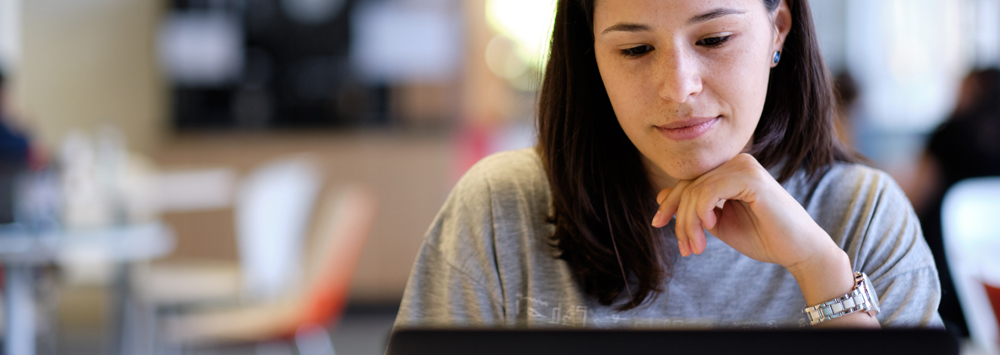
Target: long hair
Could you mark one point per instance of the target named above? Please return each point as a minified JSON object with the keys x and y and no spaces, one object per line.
{"x":602,"y":199}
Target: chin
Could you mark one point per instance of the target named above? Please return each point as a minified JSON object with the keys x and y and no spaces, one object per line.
{"x":688,"y":174}
{"x":690,"y":169}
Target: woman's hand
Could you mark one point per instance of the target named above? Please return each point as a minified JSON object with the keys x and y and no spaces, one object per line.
{"x":741,"y":204}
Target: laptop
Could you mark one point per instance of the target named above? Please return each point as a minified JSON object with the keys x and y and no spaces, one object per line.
{"x":566,"y":341}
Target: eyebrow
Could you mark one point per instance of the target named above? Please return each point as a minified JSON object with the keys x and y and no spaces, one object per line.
{"x":626,"y":27}
{"x":636,"y":27}
{"x":714,"y":14}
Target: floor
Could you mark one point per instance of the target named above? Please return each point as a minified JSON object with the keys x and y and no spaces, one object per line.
{"x":364,"y":330}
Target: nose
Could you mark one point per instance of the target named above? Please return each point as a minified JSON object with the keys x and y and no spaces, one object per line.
{"x":680,"y":77}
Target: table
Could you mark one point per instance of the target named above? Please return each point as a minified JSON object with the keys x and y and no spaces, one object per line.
{"x":22,"y":252}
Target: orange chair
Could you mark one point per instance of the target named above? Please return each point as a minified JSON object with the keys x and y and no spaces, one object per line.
{"x":344,"y":221}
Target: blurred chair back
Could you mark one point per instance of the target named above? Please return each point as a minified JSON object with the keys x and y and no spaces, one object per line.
{"x":273,"y":207}
{"x":344,"y":223}
{"x":969,"y":217}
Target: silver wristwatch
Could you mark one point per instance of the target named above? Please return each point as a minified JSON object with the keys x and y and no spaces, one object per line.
{"x":861,"y":299}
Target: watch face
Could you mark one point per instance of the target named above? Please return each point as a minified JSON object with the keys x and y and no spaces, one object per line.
{"x":870,"y":289}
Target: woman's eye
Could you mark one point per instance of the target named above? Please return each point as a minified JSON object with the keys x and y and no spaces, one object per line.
{"x":713,"y":41}
{"x":636,"y":52}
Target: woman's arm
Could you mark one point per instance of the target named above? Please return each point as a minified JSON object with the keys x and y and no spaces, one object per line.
{"x":828,"y":276}
{"x":744,"y":206}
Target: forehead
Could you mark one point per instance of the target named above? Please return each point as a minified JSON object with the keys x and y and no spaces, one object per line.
{"x":664,"y":12}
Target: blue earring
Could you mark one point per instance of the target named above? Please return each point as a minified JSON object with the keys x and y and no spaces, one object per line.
{"x":777,"y":57}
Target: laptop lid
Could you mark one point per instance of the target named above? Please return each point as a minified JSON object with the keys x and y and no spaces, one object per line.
{"x":565,"y":341}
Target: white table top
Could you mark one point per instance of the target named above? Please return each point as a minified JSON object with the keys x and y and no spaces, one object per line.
{"x":115,"y":243}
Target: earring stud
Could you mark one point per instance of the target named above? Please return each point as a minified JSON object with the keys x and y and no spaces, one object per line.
{"x":777,"y":57}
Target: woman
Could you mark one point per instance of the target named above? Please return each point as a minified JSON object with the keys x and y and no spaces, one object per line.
{"x":687,"y":174}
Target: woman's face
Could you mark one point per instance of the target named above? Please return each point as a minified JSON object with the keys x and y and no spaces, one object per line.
{"x":687,"y":79}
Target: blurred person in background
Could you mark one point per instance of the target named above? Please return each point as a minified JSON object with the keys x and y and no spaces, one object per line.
{"x":15,"y":156}
{"x":688,"y":174}
{"x":846,"y":91}
{"x":15,"y":148}
{"x":966,"y":145}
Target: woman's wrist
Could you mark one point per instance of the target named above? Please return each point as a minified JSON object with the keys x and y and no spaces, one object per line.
{"x":824,"y":276}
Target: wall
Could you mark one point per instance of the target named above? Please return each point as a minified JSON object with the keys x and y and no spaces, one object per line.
{"x":89,"y":63}
{"x":10,"y":33}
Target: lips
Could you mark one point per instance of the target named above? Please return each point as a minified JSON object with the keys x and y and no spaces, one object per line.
{"x":690,"y":128}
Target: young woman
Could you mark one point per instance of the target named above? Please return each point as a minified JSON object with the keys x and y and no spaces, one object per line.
{"x":687,"y":175}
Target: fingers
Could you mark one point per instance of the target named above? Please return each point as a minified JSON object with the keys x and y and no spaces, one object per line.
{"x":660,"y":198}
{"x":706,"y":204}
{"x":663,"y":195}
{"x":694,"y":233}
{"x":695,"y":203}
{"x":668,"y":200}
{"x":682,"y":226}
{"x":677,"y":201}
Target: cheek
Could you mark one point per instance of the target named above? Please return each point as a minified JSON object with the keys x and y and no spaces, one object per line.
{"x":627,"y":90}
{"x":741,"y":84}
{"x":631,"y":98}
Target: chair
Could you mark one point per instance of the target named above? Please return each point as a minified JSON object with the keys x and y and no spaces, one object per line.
{"x":271,"y":208}
{"x":344,"y":220}
{"x":972,"y":241}
{"x":272,"y":212}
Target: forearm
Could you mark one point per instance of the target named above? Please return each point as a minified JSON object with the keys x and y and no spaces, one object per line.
{"x":828,"y":276}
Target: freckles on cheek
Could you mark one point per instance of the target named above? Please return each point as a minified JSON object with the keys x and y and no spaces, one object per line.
{"x":628,"y":108}
{"x":745,"y":83}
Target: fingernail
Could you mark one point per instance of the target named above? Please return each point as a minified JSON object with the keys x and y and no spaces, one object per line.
{"x":656,"y":217}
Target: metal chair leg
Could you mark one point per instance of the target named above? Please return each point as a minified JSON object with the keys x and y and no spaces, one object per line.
{"x":314,"y":340}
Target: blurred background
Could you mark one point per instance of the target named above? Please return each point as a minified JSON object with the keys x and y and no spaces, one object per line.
{"x":255,"y":176}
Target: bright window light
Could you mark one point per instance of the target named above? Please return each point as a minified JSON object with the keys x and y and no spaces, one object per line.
{"x":528,"y":23}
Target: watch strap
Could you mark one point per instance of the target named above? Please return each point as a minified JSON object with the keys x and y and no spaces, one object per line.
{"x":858,"y":300}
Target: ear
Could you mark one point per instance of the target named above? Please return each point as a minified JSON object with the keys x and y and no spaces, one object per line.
{"x":782,"y":21}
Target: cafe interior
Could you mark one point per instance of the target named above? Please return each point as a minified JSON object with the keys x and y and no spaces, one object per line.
{"x":261,"y":173}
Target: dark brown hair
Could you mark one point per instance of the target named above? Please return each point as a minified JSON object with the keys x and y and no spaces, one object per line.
{"x":602,"y":199}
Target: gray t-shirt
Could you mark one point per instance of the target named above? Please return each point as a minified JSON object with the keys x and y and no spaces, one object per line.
{"x":486,"y":260}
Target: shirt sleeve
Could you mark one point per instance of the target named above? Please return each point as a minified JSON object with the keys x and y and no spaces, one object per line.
{"x":891,"y":249}
{"x":454,"y":281}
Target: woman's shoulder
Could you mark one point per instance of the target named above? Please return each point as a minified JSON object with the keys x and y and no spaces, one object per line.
{"x":496,"y":212}
{"x":506,"y":172}
{"x":499,"y":189}
{"x":520,"y":160}
{"x":852,"y":181}
{"x":843,"y":183}
{"x":852,"y":200}
{"x":869,"y":216}
{"x":843,"y":174}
